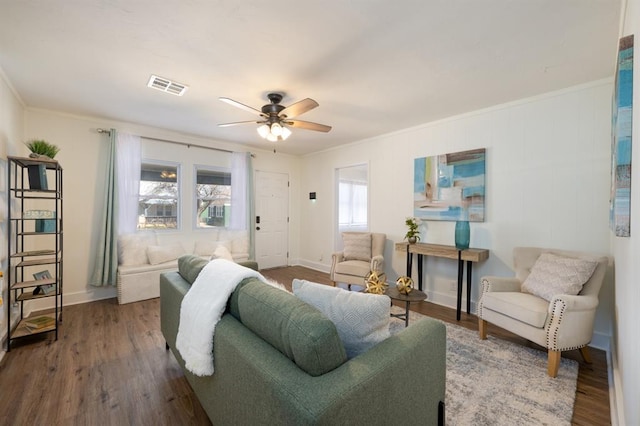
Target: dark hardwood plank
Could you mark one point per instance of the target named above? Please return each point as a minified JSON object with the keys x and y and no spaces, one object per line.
{"x":109,"y":366}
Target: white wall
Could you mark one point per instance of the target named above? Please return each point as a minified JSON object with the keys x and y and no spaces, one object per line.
{"x":627,"y":253}
{"x":11,"y":138}
{"x":82,"y":154}
{"x":547,"y":184}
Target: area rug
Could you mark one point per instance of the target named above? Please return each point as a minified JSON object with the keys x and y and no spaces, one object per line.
{"x":496,"y":382}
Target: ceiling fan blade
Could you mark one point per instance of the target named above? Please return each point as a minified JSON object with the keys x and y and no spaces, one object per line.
{"x":237,"y":123}
{"x":299,"y":108}
{"x":242,"y":106}
{"x":307,"y":125}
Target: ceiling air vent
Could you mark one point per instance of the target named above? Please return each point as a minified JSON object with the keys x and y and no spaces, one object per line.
{"x":166,"y":85}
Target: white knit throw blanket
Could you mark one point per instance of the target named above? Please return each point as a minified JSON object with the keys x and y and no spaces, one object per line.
{"x":202,"y":308}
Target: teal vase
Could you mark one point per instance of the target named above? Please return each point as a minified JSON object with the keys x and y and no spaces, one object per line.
{"x":463,"y":234}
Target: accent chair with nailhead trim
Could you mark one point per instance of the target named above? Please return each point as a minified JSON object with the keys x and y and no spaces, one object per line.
{"x":561,"y":323}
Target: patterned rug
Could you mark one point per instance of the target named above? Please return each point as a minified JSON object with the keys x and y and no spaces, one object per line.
{"x":495,"y":382}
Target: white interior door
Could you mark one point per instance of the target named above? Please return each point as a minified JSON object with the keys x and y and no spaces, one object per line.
{"x":272,"y":219}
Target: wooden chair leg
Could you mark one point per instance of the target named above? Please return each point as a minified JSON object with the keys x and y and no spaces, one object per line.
{"x":482,"y":328}
{"x":553,"y":363}
{"x":586,"y":355}
{"x":334,"y":283}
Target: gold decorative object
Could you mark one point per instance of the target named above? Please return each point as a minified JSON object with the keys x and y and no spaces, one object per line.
{"x":374,"y":283}
{"x":404,"y":285}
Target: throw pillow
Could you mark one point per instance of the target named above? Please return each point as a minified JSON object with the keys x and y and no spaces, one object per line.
{"x":205,"y":247}
{"x":132,"y":248}
{"x":362,"y":319}
{"x":222,"y":252}
{"x":357,"y":246}
{"x":240,"y":245}
{"x":552,"y":275}
{"x":164,"y":253}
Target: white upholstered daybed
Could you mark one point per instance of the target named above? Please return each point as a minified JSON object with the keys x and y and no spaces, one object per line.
{"x":141,"y":259}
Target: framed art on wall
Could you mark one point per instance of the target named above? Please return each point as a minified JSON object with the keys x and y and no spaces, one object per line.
{"x":450,"y":186}
{"x":621,"y":140}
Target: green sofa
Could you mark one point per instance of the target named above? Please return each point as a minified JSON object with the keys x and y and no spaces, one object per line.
{"x":279,"y":361}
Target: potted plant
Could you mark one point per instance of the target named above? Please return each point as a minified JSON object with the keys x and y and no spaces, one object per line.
{"x":412,"y":234}
{"x":40,"y":150}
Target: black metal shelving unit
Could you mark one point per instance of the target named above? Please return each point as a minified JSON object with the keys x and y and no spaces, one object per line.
{"x":32,"y":245}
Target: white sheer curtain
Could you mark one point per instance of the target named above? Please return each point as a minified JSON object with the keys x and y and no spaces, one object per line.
{"x":129,"y":158}
{"x":240,"y":190}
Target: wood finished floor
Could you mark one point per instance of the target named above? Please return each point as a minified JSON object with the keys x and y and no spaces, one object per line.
{"x":110,"y":367}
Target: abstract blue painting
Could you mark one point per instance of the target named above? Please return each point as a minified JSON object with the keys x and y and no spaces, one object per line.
{"x":450,"y":186}
{"x":620,"y":204}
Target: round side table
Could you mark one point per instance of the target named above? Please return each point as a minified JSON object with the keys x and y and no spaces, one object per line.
{"x":414,"y":296}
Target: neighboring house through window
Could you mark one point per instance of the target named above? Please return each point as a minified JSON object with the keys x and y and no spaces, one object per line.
{"x":213,"y":196}
{"x":158,"y":204}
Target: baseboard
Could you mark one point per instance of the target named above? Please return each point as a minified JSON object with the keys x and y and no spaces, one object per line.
{"x":616,"y":398}
{"x":601,"y":341}
{"x":315,"y":266}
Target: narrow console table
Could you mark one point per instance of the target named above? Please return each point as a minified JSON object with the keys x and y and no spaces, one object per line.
{"x":449,"y":252}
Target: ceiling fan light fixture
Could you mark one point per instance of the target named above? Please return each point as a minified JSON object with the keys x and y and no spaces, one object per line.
{"x":276,"y":129}
{"x":272,"y":138}
{"x":285,"y":133}
{"x":264,"y":131}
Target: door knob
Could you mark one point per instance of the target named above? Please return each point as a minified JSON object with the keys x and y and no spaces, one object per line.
{"x":257,"y":228}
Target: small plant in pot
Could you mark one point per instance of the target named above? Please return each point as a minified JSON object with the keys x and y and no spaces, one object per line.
{"x":412,"y":235}
{"x":42,"y":149}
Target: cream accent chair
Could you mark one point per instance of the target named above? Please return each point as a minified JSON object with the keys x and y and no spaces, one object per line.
{"x":353,"y":264}
{"x":561,"y":324}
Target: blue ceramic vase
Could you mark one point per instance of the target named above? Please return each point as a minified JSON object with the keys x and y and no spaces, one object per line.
{"x":463,"y":234}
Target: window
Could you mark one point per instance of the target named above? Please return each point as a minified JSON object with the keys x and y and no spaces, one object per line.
{"x":353,"y":204}
{"x":213,"y":192}
{"x":158,"y":197}
{"x":352,"y":198}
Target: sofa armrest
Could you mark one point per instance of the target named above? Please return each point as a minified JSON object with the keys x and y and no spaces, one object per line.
{"x":173,"y":288}
{"x":335,"y":259}
{"x":495,"y":284}
{"x":251,"y":264}
{"x":377,"y":263}
{"x":571,"y":321}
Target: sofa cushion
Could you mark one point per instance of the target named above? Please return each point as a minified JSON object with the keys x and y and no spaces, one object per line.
{"x":354,"y":267}
{"x":357,"y":245}
{"x":132,"y":248}
{"x":295,"y":328}
{"x":221,"y":252}
{"x":552,"y":274}
{"x":362,"y":319}
{"x":523,"y":307}
{"x":164,"y":253}
{"x":189,"y":266}
{"x":172,"y":265}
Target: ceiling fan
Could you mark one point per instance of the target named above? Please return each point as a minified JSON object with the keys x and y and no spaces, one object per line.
{"x":275,"y":118}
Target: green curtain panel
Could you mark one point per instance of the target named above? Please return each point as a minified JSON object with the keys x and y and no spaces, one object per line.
{"x":251,"y":207}
{"x":107,"y":251}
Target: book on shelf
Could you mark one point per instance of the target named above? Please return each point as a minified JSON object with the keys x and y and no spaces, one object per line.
{"x":44,"y":289}
{"x":38,"y":323}
{"x":47,"y":288}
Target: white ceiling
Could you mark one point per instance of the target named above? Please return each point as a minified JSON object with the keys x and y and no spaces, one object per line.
{"x":374,"y":66}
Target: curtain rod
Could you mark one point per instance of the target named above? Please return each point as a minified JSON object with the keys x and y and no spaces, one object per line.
{"x":188,"y":145}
